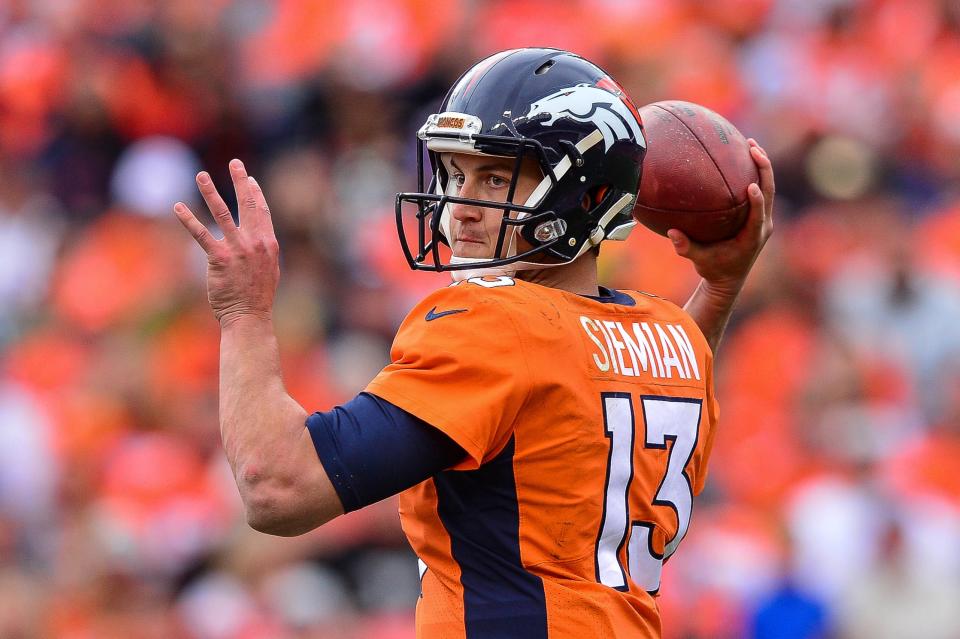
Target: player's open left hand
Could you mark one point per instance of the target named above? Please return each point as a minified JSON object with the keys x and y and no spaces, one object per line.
{"x":725,"y":264}
{"x":243,"y":268}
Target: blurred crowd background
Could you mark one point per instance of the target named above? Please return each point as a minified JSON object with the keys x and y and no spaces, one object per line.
{"x":833,"y":506}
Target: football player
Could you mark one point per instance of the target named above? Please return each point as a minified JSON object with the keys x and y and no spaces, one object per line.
{"x":547,"y":435}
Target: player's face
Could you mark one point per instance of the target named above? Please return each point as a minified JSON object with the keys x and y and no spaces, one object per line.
{"x":474,"y":229}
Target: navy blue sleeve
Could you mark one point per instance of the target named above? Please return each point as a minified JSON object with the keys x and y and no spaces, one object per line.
{"x":372,"y":449}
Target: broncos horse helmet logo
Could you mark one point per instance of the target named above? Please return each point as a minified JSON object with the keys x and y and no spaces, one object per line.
{"x":615,"y":119}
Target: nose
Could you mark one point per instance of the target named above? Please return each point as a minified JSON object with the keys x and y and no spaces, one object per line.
{"x":466,"y":212}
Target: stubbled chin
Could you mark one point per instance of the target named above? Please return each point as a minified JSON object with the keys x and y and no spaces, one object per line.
{"x":471,"y":250}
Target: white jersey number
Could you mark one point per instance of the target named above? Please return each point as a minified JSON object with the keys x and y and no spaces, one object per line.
{"x":666,"y":419}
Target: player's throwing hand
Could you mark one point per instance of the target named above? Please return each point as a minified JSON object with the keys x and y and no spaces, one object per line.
{"x":726,"y":264}
{"x":243,"y":268}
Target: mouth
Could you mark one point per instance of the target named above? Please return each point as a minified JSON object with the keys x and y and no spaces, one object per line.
{"x":471,"y":247}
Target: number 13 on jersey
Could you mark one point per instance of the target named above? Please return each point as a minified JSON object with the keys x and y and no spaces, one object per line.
{"x":664,"y":419}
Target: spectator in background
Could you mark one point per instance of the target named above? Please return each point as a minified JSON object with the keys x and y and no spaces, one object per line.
{"x":899,"y":596}
{"x":888,"y":307}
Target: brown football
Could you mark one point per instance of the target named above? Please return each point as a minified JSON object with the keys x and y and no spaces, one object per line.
{"x":695,"y":173}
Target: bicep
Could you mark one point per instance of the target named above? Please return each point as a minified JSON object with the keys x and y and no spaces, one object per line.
{"x":370,"y":449}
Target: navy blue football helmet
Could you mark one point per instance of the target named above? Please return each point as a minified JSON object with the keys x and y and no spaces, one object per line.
{"x":549,"y":105}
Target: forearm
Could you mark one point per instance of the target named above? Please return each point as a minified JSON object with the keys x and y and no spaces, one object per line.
{"x":284,"y":488}
{"x":711,"y":307}
{"x":260,"y":424}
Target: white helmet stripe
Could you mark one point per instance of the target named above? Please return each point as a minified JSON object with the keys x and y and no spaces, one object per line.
{"x":561,"y":169}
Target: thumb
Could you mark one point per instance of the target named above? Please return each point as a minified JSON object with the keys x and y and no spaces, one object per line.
{"x":681,"y":243}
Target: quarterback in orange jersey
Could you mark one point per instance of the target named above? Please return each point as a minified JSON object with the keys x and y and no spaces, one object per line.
{"x":547,"y":435}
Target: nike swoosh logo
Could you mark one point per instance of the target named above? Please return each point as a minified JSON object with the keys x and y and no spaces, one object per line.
{"x":432,"y":314}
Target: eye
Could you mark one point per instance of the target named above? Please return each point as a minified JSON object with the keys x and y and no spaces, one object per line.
{"x":457,"y":179}
{"x":498,"y":182}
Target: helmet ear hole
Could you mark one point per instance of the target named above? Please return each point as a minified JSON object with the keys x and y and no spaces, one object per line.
{"x":594,"y":197}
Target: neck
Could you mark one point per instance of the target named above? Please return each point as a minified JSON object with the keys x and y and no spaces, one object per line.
{"x":579,"y":276}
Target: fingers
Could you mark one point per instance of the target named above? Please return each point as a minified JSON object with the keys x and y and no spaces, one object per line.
{"x":766,"y":172}
{"x":767,"y":186}
{"x":199,"y":232}
{"x":765,"y":168}
{"x":218,"y":208}
{"x":256,"y":226}
{"x":758,"y":208}
{"x":253,"y":209}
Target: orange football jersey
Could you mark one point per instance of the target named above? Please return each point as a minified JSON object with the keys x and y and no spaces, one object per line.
{"x":587,"y":424}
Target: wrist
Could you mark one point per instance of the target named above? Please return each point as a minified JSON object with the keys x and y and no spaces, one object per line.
{"x":721,"y":291}
{"x":241,"y":320}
